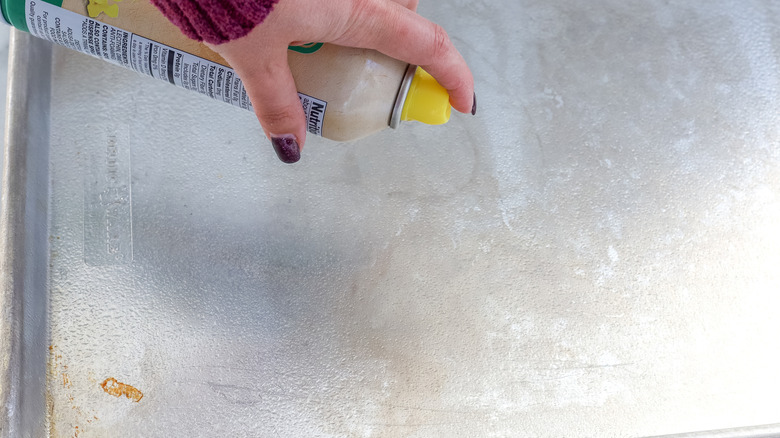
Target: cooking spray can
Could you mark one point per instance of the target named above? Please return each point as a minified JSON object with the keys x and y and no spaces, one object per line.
{"x":346,"y":93}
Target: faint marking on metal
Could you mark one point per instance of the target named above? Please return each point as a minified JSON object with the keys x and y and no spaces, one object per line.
{"x":240,"y":395}
{"x":108,"y":227}
{"x":119,"y":389}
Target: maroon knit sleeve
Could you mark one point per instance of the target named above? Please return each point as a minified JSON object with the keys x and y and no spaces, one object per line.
{"x":215,"y":21}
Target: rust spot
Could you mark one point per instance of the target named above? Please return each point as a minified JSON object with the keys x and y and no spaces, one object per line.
{"x":76,"y":417}
{"x":118,"y":389}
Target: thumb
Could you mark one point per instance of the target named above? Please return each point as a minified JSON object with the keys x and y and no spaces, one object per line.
{"x":271,"y":88}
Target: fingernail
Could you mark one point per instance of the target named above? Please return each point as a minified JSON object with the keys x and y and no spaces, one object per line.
{"x":286,"y":147}
{"x":474,"y":107}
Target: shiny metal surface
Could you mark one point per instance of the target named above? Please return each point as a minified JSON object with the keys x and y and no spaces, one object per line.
{"x":395,"y":118}
{"x":23,"y":243}
{"x":594,"y":254}
{"x":5,"y":33}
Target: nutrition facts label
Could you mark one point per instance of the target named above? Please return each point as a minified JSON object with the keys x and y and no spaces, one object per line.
{"x":314,"y":109}
{"x":143,"y":55}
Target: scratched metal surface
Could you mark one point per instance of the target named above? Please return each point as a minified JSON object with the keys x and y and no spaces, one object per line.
{"x":594,"y":254}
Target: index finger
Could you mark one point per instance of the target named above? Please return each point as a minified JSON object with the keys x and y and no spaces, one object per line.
{"x":400,"y":33}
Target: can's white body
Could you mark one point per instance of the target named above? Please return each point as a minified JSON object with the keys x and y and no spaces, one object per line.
{"x":346,"y":93}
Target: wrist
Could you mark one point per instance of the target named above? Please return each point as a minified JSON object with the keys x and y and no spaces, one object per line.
{"x":215,"y":21}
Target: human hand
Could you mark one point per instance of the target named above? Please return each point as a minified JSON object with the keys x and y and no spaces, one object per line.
{"x":388,"y":26}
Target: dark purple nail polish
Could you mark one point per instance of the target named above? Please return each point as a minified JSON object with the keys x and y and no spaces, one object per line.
{"x":286,"y":147}
{"x":474,"y":107}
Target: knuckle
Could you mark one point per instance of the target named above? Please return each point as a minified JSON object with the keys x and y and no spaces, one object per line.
{"x":363,"y":17}
{"x":440,"y":47}
{"x":276,"y":118}
{"x":363,"y":7}
{"x":362,"y":10}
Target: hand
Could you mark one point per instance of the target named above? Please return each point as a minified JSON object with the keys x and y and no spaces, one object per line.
{"x":388,"y":26}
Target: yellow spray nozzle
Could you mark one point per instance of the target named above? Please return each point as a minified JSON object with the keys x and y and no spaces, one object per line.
{"x":427,"y":101}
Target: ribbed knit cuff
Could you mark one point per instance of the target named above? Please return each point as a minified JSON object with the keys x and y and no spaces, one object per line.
{"x":215,"y":21}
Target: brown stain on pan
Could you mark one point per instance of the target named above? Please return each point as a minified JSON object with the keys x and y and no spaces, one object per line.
{"x":119,"y":389}
{"x":59,"y":368}
{"x":58,"y":374}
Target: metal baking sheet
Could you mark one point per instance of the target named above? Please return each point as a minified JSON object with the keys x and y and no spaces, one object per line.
{"x":595,"y":254}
